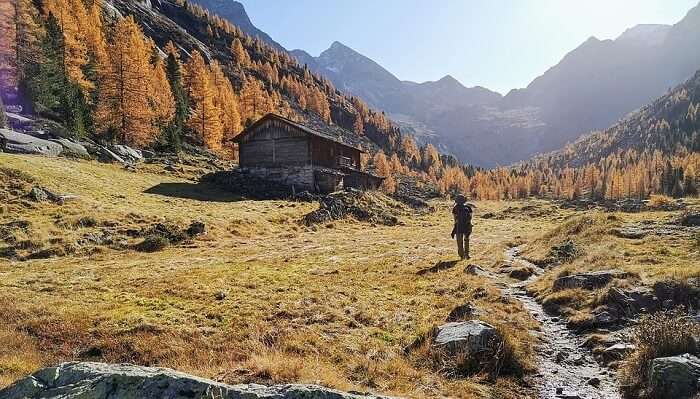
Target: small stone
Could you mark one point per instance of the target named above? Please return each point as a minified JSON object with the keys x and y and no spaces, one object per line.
{"x":220,"y":296}
{"x":595,"y":382}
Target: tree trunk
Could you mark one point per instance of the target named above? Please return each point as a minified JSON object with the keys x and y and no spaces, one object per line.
{"x":3,"y":118}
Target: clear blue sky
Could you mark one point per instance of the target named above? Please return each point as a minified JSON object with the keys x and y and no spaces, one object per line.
{"x":499,"y":44}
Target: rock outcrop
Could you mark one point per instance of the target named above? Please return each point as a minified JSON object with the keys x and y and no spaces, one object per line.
{"x":124,"y":381}
{"x":675,"y":377}
{"x":21,"y":143}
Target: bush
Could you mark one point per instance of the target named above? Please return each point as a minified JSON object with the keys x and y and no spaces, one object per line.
{"x":564,"y":252}
{"x":661,"y":334}
{"x":660,"y":201}
{"x":152,"y":243}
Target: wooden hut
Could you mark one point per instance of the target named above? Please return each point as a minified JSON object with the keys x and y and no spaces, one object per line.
{"x":314,"y":157}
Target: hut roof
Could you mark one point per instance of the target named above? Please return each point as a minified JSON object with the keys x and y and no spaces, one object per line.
{"x":314,"y":127}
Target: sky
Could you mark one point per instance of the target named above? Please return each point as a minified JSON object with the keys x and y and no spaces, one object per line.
{"x":498,"y":44}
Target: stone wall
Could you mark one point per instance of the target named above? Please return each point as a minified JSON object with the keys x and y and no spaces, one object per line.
{"x":299,"y":177}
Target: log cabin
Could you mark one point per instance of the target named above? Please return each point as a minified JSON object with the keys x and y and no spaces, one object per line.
{"x":309,"y":156}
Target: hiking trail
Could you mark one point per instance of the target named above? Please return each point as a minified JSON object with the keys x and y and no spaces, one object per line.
{"x":566,"y":369}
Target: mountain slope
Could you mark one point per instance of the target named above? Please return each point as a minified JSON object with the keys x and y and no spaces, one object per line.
{"x":235,"y":13}
{"x":669,"y":125}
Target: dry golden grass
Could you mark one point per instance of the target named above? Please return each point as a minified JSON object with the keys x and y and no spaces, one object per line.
{"x":647,"y":260}
{"x":258,"y":298}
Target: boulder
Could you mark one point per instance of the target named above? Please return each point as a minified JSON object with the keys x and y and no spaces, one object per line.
{"x":474,"y":270}
{"x":690,"y":219}
{"x":72,"y":149}
{"x":616,"y":352}
{"x":675,"y":376}
{"x":521,"y":273}
{"x":589,"y":280}
{"x":127,"y":153}
{"x":471,"y":336}
{"x":672,"y":293}
{"x":20,"y":143}
{"x":125,"y":381}
{"x":106,"y":155}
{"x":633,"y":301}
{"x":630,"y":232}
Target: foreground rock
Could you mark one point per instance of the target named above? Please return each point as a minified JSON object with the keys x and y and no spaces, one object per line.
{"x":471,"y":336}
{"x":20,"y":143}
{"x":588,"y":281}
{"x":103,"y":381}
{"x":675,"y":377}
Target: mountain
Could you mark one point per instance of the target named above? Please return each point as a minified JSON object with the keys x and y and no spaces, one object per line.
{"x":408,"y":103}
{"x":235,"y":13}
{"x":594,"y":85}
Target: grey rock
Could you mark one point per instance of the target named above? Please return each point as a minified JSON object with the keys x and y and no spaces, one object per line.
{"x":630,"y":232}
{"x":594,"y":381}
{"x":474,"y":270}
{"x":616,"y":352}
{"x":690,"y":219}
{"x":127,"y":153}
{"x":124,"y":381}
{"x":675,"y":377}
{"x":20,"y":143}
{"x":465,"y":337}
{"x":633,"y":301}
{"x":106,"y":155}
{"x":589,"y":280}
{"x":72,"y":149}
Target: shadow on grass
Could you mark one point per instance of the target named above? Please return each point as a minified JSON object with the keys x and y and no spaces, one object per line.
{"x":199,"y":192}
{"x":440,"y":266}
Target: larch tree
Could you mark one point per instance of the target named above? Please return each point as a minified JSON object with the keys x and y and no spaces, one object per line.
{"x":124,"y":106}
{"x":225,"y":100}
{"x":74,"y":47}
{"x":240,"y":54}
{"x":162,"y":99}
{"x":205,"y":116}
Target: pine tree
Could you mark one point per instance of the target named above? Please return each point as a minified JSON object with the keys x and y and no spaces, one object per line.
{"x":3,"y":117}
{"x":205,"y":116}
{"x":173,"y":134}
{"x":124,"y":108}
{"x":28,"y":42}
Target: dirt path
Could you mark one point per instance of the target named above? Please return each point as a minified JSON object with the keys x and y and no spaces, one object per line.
{"x":566,"y":369}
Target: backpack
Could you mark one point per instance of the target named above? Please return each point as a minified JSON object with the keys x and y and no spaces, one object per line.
{"x":463,"y":216}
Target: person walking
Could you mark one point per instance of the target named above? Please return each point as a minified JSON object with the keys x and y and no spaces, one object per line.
{"x":462,"y":214}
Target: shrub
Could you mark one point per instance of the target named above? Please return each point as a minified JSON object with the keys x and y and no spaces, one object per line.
{"x":564,"y":252}
{"x":660,"y":201}
{"x":152,"y":243}
{"x":661,"y":334}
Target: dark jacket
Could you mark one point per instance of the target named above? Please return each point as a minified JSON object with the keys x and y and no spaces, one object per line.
{"x":463,"y":219}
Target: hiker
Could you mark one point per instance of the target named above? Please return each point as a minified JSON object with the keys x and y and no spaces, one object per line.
{"x":462,"y":214}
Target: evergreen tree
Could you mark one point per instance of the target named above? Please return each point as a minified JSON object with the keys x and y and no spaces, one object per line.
{"x":173,"y":134}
